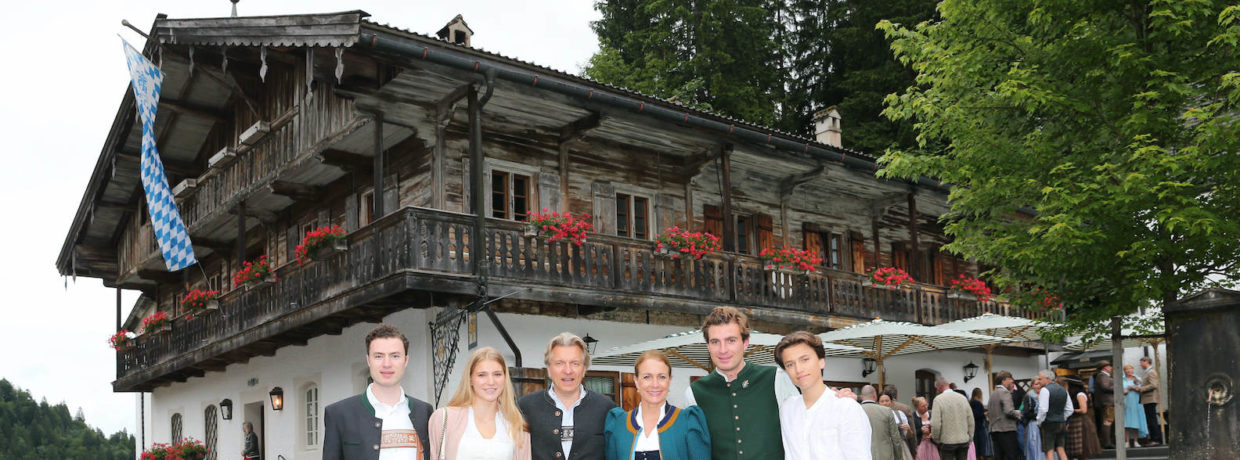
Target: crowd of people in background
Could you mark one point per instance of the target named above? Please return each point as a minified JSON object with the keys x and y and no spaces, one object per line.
{"x":739,"y":410}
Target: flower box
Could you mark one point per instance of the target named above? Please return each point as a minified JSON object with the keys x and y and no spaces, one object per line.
{"x":254,"y":274}
{"x":974,"y":287}
{"x":321,"y":243}
{"x":122,"y":340}
{"x":789,"y":259}
{"x":889,"y":277}
{"x":529,"y":230}
{"x":557,"y":226}
{"x":198,"y":301}
{"x":676,"y":242}
{"x":156,"y":323}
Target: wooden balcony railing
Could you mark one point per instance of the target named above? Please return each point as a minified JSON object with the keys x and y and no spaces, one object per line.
{"x":301,"y":132}
{"x":434,"y":245}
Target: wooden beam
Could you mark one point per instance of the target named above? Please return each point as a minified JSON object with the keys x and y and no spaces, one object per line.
{"x":297,"y":192}
{"x":915,"y":260}
{"x":189,"y":108}
{"x":116,"y":206}
{"x":346,"y":161}
{"x":214,"y":245}
{"x":89,"y":253}
{"x":790,"y":183}
{"x":580,"y":127}
{"x":183,"y":168}
{"x":725,"y":190}
{"x":160,"y":276}
{"x":265,"y":217}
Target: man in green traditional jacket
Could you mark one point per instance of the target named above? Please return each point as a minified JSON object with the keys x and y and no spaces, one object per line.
{"x":740,"y":399}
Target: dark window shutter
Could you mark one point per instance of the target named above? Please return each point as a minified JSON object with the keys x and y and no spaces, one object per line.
{"x":604,"y":208}
{"x":712,"y":220}
{"x":813,"y":242}
{"x":765,"y":229}
{"x":352,"y":218}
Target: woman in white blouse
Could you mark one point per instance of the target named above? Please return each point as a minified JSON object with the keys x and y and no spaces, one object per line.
{"x":816,"y":425}
{"x":481,"y":421}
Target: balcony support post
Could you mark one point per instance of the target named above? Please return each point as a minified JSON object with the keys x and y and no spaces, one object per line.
{"x":118,"y":308}
{"x":725,"y":192}
{"x":378,"y":169}
{"x":241,"y":232}
{"x":915,"y":261}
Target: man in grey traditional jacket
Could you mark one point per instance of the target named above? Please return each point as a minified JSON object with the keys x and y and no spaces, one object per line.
{"x":885,"y":440}
{"x":382,"y":423}
{"x":1003,"y":418}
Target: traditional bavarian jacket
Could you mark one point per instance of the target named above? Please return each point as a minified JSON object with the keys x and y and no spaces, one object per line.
{"x":682,"y":434}
{"x":742,"y":415}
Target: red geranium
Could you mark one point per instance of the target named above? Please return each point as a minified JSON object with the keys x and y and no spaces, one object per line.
{"x":1047,"y":301}
{"x":252,"y":271}
{"x":155,"y":321}
{"x":185,"y":449}
{"x":557,"y":226}
{"x":891,"y":277}
{"x":197,"y":300}
{"x":121,"y":340}
{"x":316,"y":239}
{"x":696,"y":244}
{"x":973,"y":286}
{"x":790,"y":258}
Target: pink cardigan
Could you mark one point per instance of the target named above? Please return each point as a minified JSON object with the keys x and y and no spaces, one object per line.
{"x":458,"y":419}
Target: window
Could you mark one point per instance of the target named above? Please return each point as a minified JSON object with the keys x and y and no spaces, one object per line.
{"x":510,"y":195}
{"x":833,"y":258}
{"x":632,"y":216}
{"x":312,"y":416}
{"x":211,"y":422}
{"x":176,"y":427}
{"x":367,"y":208}
{"x":742,"y":234}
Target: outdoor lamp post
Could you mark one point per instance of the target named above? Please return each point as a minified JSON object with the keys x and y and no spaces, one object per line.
{"x":226,"y":409}
{"x":277,"y":398}
{"x":867,"y":366}
{"x":591,"y":343}
{"x":970,"y":371}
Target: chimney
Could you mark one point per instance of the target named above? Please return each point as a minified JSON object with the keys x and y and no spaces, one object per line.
{"x":456,"y":31}
{"x":827,"y":127}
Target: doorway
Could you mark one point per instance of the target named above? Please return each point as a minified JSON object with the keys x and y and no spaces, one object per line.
{"x":254,"y":415}
{"x":925,"y":383}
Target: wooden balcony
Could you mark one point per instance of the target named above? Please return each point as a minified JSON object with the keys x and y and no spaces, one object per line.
{"x":414,"y":255}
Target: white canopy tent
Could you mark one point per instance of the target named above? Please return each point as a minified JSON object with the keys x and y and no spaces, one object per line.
{"x":1005,"y":327}
{"x":883,"y":339}
{"x":688,"y":349}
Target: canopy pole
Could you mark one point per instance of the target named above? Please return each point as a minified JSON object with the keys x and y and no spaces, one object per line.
{"x":1157,"y":365}
{"x":882,"y":368}
{"x":990,"y":379}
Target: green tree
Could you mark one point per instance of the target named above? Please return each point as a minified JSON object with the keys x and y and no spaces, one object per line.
{"x":30,"y":430}
{"x":711,"y":54}
{"x":1113,"y":121}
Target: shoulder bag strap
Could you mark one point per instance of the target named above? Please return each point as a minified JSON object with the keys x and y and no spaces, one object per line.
{"x":443,"y":436}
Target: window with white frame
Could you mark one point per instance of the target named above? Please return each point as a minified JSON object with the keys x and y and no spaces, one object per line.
{"x":632,"y":216}
{"x":311,"y":416}
{"x":511,"y":189}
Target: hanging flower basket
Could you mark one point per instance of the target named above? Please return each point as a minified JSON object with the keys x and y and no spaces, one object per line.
{"x":156,"y":322}
{"x":675,"y":242}
{"x":972,"y":286}
{"x":255,"y":274}
{"x":889,"y":277}
{"x":122,"y":340}
{"x":198,"y":301}
{"x":322,"y":243}
{"x":796,"y":261}
{"x":560,"y":226}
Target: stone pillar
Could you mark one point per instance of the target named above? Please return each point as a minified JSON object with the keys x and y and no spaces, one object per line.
{"x":1203,"y":334}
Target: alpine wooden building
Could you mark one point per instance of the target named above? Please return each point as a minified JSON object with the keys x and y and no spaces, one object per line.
{"x":430,"y":154}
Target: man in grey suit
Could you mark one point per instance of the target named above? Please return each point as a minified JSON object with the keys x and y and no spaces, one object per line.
{"x":382,"y":422}
{"x":885,"y":440}
{"x":1003,"y":417}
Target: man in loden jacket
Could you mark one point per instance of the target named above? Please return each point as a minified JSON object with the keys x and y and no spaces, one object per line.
{"x":951,"y":422}
{"x":1003,"y":418}
{"x":1104,"y":401}
{"x":1149,"y":399}
{"x":382,"y":423}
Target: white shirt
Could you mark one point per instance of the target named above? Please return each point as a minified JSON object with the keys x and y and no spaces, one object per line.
{"x":784,"y":388}
{"x":399,"y":440}
{"x":566,"y":421}
{"x":648,"y":443}
{"x":475,"y":447}
{"x":1044,"y":405}
{"x":833,"y":428}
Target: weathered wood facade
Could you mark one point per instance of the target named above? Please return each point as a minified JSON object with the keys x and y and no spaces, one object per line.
{"x":278,"y":125}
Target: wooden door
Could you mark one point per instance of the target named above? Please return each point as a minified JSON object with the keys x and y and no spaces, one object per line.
{"x":858,"y":255}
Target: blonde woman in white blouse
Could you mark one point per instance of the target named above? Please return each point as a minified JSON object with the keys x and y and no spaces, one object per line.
{"x":481,"y":421}
{"x":817,"y":425}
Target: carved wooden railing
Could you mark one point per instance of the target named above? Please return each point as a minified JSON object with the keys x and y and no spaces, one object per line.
{"x":298,"y":134}
{"x":437,"y":243}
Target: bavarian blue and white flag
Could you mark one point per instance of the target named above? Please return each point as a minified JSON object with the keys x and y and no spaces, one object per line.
{"x":165,"y":218}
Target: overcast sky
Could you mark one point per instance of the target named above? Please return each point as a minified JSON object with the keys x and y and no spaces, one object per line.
{"x":64,"y":76}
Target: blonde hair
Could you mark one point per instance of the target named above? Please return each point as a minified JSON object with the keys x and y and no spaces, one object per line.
{"x":656,"y":355}
{"x":918,"y":401}
{"x":567,"y":339}
{"x":464,"y":396}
